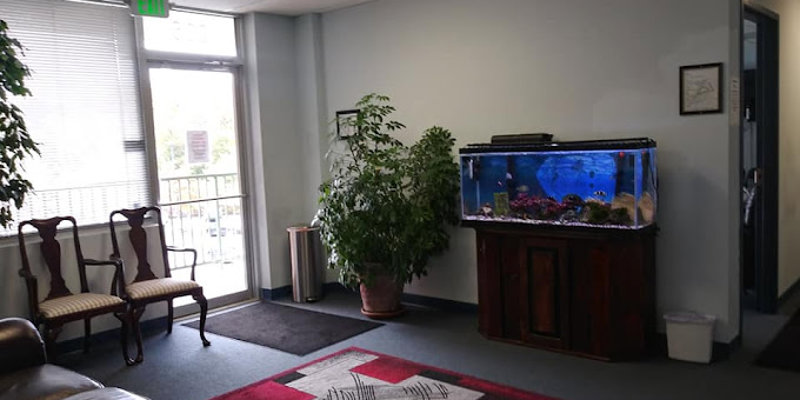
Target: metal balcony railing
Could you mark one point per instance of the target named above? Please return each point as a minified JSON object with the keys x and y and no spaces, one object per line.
{"x":203,"y":212}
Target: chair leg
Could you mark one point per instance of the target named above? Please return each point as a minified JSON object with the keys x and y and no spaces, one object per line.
{"x":87,"y":334}
{"x":201,"y":300}
{"x":123,"y":336}
{"x":169,"y":316}
{"x":51,"y":333}
{"x":134,"y":315}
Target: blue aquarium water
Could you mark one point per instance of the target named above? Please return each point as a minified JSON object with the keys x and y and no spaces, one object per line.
{"x":563,"y":183}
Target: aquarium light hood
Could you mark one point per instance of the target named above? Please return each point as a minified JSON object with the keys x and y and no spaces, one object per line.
{"x":614,"y":144}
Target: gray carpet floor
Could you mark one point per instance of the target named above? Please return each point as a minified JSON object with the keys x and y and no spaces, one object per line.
{"x":178,"y":367}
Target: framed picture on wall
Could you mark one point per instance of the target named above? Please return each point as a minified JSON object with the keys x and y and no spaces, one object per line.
{"x":345,"y":123}
{"x":701,"y":89}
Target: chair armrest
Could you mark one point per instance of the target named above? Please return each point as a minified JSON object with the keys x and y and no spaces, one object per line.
{"x":115,"y":262}
{"x":21,"y":346}
{"x":118,"y":282}
{"x":32,"y":285}
{"x":186,"y":250}
{"x":181,"y":249}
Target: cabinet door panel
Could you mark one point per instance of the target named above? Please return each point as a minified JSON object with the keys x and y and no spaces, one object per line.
{"x":589,"y":314}
{"x":543,"y":282}
{"x":631,"y":305}
{"x":490,"y":304}
{"x":543,"y":291}
{"x":511,"y":291}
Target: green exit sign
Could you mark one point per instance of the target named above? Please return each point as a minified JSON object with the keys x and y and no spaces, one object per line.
{"x":150,"y":8}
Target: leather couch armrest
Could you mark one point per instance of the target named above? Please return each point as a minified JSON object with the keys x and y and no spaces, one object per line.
{"x":21,"y":346}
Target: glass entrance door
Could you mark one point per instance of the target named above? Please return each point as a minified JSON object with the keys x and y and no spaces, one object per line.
{"x":200,"y":190}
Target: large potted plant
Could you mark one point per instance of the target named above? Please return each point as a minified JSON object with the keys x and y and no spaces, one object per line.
{"x":383,"y":213}
{"x":15,"y":142}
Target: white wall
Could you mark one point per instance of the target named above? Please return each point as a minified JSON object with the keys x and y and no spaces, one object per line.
{"x":580,"y":70}
{"x":789,"y":140}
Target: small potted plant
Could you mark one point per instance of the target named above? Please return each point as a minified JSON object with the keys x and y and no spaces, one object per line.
{"x":383,"y":213}
{"x":15,"y":142}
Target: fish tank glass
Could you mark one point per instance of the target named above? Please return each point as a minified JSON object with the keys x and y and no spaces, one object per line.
{"x":605,"y":183}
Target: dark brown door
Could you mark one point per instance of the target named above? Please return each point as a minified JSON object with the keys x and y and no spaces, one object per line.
{"x":544,"y":287}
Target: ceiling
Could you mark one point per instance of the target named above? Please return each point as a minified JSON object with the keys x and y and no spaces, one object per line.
{"x":283,"y":7}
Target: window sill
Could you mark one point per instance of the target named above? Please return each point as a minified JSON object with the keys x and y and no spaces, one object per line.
{"x":65,"y":233}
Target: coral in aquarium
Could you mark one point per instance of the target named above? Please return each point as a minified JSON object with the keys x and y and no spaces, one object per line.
{"x":625,"y":201}
{"x":573,"y":201}
{"x":601,"y":213}
{"x":595,"y":212}
{"x":535,"y":207}
{"x":573,"y":209}
{"x":647,"y":208}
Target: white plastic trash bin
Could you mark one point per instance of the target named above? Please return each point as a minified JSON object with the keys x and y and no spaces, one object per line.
{"x":690,"y":336}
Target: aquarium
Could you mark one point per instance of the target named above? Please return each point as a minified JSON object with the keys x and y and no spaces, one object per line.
{"x":606,"y":183}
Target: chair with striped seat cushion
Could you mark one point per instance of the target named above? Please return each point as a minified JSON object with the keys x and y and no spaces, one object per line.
{"x":61,"y":305}
{"x":77,"y":303}
{"x":159,"y":287}
{"x":148,"y":288}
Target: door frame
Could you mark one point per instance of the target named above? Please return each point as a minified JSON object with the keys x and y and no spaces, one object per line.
{"x":235,"y":65}
{"x":767,"y":126}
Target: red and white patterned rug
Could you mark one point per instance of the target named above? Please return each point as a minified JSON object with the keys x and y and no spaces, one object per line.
{"x":357,"y":374}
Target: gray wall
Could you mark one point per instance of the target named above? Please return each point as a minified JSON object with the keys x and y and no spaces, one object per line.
{"x":580,"y":70}
{"x":789,"y":142}
{"x":277,"y":167}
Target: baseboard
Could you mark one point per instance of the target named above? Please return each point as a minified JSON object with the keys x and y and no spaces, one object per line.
{"x":719,"y":351}
{"x":286,"y":291}
{"x":149,"y":326}
{"x":442,"y":304}
{"x":426,"y":301}
{"x":789,"y":293}
{"x":276,"y":293}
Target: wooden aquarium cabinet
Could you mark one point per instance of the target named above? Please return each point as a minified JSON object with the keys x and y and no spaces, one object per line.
{"x":584,"y":291}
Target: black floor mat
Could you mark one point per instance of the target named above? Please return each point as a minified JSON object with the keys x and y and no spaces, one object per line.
{"x":285,"y":328}
{"x":784,"y":350}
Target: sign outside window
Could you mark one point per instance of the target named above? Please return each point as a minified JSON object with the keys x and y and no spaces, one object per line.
{"x":197,"y":147}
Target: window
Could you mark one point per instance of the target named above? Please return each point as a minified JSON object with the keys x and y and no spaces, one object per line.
{"x":84,"y":111}
{"x":191,"y":33}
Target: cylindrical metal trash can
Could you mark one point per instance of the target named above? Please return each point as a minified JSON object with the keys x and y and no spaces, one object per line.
{"x":307,"y":274}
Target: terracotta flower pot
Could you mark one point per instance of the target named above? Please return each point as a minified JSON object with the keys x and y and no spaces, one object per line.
{"x":382,"y":299}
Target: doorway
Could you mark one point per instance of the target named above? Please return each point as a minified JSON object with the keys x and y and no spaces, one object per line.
{"x":759,"y":160}
{"x":198,"y":173}
{"x":190,"y":68}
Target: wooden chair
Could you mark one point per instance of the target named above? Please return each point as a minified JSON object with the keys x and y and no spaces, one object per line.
{"x":61,"y":305}
{"x":146,"y":287}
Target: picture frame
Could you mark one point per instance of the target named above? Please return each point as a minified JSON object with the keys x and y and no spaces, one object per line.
{"x":701,"y":89}
{"x":344,"y":128}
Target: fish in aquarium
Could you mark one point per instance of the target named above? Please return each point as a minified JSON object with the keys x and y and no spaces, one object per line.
{"x":599,"y":183}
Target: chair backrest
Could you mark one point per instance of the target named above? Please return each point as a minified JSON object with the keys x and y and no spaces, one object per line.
{"x":138,"y":238}
{"x":51,"y":252}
